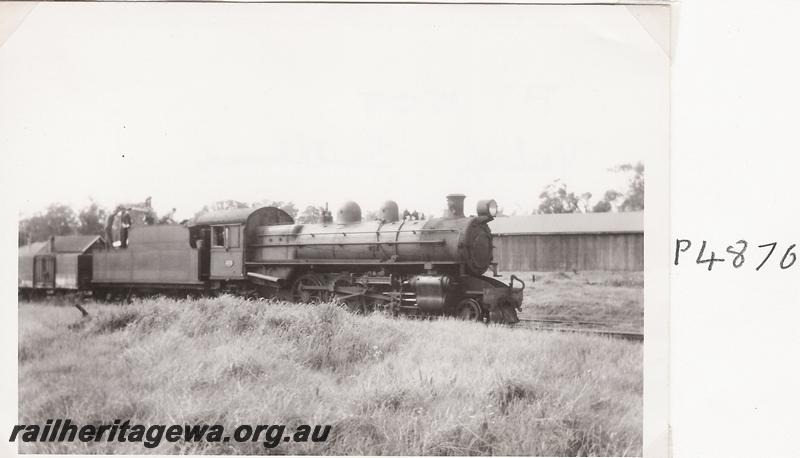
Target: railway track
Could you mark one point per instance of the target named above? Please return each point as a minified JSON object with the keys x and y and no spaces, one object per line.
{"x":581,"y":327}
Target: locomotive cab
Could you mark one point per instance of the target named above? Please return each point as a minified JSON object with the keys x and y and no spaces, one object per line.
{"x":225,"y":252}
{"x":230,"y":237}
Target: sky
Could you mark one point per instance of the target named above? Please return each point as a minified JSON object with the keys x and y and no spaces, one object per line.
{"x":194,"y":103}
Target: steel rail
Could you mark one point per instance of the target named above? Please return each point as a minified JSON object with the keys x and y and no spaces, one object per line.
{"x":547,"y":325}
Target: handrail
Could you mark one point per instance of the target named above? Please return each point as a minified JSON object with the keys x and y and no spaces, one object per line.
{"x":313,"y":234}
{"x":314,"y":244}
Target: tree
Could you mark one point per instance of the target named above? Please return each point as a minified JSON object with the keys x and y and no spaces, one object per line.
{"x":228,"y":204}
{"x":219,"y":205}
{"x":371,"y":215}
{"x":58,"y":219}
{"x":311,"y":215}
{"x":92,"y":219}
{"x":555,"y":198}
{"x":602,"y":206}
{"x":288,"y":207}
{"x":22,"y":234}
{"x":605,"y":205}
{"x":634,"y":198}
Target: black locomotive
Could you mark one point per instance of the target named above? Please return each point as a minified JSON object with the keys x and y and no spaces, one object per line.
{"x":421,"y":267}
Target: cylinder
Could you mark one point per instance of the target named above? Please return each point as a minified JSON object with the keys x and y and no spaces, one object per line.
{"x":432,"y":292}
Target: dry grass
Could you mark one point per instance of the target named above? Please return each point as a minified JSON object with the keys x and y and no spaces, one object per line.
{"x":607,"y":297}
{"x":388,"y":386}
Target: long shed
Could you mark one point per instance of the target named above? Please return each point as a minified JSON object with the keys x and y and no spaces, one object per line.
{"x":573,"y":241}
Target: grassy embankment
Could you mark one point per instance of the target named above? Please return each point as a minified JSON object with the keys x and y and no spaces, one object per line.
{"x":616,"y":298}
{"x":388,"y":386}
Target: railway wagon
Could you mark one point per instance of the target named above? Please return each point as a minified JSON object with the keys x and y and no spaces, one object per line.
{"x":60,"y":264}
{"x":158,"y":258}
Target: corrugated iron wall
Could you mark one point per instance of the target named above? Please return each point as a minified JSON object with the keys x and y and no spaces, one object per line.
{"x":565,"y":252}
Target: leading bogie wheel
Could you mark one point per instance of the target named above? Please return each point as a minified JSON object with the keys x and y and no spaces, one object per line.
{"x":469,"y":309}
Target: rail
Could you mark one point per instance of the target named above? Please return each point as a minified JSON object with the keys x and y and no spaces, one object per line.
{"x":580,"y":327}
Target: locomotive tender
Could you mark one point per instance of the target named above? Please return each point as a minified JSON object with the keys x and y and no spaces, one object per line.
{"x":418,"y":267}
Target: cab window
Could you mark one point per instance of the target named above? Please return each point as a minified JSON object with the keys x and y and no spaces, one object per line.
{"x":218,"y":236}
{"x":225,"y":236}
{"x":233,"y":236}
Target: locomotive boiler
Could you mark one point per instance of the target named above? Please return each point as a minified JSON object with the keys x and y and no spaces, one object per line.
{"x":433,"y":266}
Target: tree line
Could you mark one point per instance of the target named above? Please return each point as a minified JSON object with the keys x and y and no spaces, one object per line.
{"x":61,"y":219}
{"x":558,"y":198}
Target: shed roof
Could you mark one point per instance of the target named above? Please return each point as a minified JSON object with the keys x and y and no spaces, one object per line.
{"x":569,"y":223}
{"x":75,"y":243}
{"x":34,"y":248}
{"x":63,"y":244}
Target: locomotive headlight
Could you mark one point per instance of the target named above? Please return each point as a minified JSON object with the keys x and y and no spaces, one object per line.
{"x":487,"y":208}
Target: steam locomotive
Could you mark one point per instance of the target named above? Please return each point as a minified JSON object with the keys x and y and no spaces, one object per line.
{"x":404,"y":266}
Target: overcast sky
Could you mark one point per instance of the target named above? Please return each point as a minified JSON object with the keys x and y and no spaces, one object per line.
{"x":323,"y":103}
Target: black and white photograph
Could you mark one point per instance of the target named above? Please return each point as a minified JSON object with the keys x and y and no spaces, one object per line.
{"x":360,"y":229}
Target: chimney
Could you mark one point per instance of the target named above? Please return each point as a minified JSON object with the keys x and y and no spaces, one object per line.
{"x":326,"y":217}
{"x":455,"y":205}
{"x":52,"y":244}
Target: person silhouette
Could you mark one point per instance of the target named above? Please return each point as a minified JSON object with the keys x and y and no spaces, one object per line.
{"x":126,"y":225}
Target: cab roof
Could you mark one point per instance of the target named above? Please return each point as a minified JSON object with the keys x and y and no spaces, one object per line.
{"x":266,"y":215}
